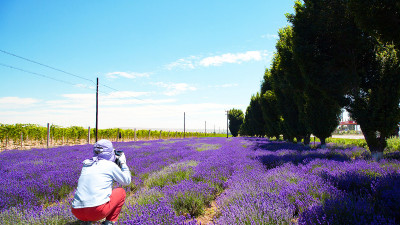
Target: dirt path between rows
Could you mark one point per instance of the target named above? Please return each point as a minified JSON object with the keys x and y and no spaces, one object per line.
{"x":209,"y":214}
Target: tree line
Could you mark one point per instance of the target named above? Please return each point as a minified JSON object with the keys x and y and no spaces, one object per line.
{"x":334,"y":55}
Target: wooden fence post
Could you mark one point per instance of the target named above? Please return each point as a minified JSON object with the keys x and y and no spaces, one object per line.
{"x":149,"y":135}
{"x":48,"y":134}
{"x":22,"y":139}
{"x":134,"y":137}
{"x":88,"y":135}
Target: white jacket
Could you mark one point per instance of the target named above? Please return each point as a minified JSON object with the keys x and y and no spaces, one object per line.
{"x":95,"y":183}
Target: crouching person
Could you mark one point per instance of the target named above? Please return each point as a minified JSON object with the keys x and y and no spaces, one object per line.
{"x":94,"y":198}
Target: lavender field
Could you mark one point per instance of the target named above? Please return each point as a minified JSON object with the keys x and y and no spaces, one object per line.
{"x":211,"y":180}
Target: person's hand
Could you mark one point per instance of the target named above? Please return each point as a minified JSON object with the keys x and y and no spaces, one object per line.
{"x":122,"y":158}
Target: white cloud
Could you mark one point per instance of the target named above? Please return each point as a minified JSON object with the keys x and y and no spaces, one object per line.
{"x":232,"y":58}
{"x":79,"y":96}
{"x":270,"y":36}
{"x":129,"y":75}
{"x":126,"y":94}
{"x":72,"y":101}
{"x":115,"y":99}
{"x":223,"y":86}
{"x":130,"y":102}
{"x":184,"y":63}
{"x":193,"y":62}
{"x":84,"y":86}
{"x":18,"y":101}
{"x":175,"y":88}
{"x":157,"y":114}
{"x":112,"y":95}
{"x":8,"y":103}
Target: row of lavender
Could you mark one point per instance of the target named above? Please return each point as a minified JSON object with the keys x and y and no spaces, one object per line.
{"x":36,"y":186}
{"x":261,"y":182}
{"x":312,"y":187}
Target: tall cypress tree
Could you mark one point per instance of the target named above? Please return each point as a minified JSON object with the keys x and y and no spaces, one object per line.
{"x":289,"y":87}
{"x":380,"y":19}
{"x":329,"y":48}
{"x":375,"y":104}
{"x":269,"y":107}
{"x":236,"y":118}
{"x":253,"y":124}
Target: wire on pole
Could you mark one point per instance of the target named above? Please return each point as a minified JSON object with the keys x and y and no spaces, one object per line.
{"x":50,"y":67}
{"x":77,"y":76}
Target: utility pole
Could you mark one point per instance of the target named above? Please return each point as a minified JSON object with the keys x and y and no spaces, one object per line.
{"x":97,"y":106}
{"x":184,"y":125}
{"x":227,"y":113}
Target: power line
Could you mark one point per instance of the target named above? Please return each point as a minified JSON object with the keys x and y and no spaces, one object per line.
{"x":109,"y":87}
{"x":59,"y":70}
{"x":45,"y":76}
{"x":71,"y":74}
{"x":67,"y":82}
{"x":50,"y":67}
{"x":56,"y":69}
{"x":133,"y":97}
{"x":38,"y":74}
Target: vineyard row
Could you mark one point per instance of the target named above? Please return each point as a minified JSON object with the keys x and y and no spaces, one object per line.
{"x":26,"y":136}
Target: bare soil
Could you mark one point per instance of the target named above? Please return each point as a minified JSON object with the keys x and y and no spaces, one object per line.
{"x":209,"y":214}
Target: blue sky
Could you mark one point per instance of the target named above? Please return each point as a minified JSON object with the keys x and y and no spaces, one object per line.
{"x":155,"y":60}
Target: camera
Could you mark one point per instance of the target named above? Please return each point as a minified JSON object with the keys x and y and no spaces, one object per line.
{"x":118,"y":154}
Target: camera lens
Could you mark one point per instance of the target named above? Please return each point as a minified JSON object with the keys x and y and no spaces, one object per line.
{"x":118,"y":152}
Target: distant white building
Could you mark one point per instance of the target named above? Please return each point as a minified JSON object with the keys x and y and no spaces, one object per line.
{"x":347,"y":123}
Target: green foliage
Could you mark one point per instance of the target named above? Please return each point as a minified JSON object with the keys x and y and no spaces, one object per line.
{"x":324,"y":34}
{"x":13,"y":132}
{"x":147,"y":196}
{"x":236,"y":118}
{"x":322,"y":114}
{"x":16,"y":133}
{"x":253,"y":121}
{"x":269,"y":106}
{"x":271,"y":114}
{"x":378,"y":18}
{"x":375,"y":105}
{"x":206,"y":147}
{"x":393,"y":145}
{"x":190,"y":203}
{"x":24,"y":217}
{"x":344,"y":143}
{"x":288,"y":85}
{"x":171,"y":174}
{"x":344,"y":67}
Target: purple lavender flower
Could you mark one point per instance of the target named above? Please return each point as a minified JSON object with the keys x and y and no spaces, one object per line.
{"x":157,"y":213}
{"x":254,"y":181}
